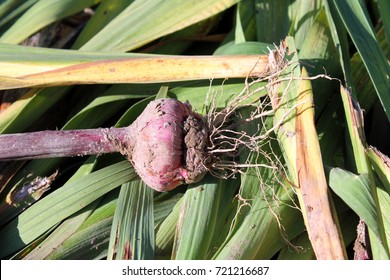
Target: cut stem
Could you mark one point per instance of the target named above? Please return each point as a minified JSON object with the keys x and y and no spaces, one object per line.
{"x":61,"y":143}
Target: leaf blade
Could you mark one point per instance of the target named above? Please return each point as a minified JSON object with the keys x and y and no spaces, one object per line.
{"x":356,"y":20}
{"x":145,"y":21}
{"x":40,"y":15}
{"x":132,"y":231}
{"x":65,"y":201}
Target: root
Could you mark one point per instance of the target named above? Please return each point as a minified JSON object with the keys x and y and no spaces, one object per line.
{"x":233,"y":151}
{"x":227,"y":140}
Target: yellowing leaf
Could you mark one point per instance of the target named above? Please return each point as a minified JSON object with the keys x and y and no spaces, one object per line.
{"x":144,"y":70}
{"x":313,"y":189}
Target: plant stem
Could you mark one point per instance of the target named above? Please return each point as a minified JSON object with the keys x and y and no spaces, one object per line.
{"x":62,"y":143}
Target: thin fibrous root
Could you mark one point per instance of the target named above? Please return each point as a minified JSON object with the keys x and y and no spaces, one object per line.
{"x":225,"y":137}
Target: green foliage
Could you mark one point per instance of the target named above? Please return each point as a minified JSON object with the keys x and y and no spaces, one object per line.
{"x":356,"y":20}
{"x":97,"y":208}
{"x":132,"y":234}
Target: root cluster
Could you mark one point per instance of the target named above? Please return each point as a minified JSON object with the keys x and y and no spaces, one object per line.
{"x":242,"y":136}
{"x":229,"y":141}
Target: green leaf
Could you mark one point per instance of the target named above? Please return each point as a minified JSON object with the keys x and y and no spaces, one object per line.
{"x":87,"y":244}
{"x":381,"y":165}
{"x":163,"y":92}
{"x":198,"y":220}
{"x":246,"y":48}
{"x":163,"y":208}
{"x":10,"y":9}
{"x":365,"y":91}
{"x":303,"y":250}
{"x":355,"y":191}
{"x":165,"y":234}
{"x":272,"y":20}
{"x":182,"y":40}
{"x":247,"y":19}
{"x":263,"y":220}
{"x":354,"y":119}
{"x":304,"y":16}
{"x":340,"y":39}
{"x":60,"y":204}
{"x":144,"y":21}
{"x":200,"y":93}
{"x":239,"y":31}
{"x":132,"y":232}
{"x":90,"y":240}
{"x":56,"y":239}
{"x":12,"y":209}
{"x":28,"y":109}
{"x":70,"y":225}
{"x":384,"y":200}
{"x":357,"y":22}
{"x":104,"y":13}
{"x":384,"y":9}
{"x":93,"y":114}
{"x":323,"y":59}
{"x":133,"y":112}
{"x":331,"y":134}
{"x":42,"y":14}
